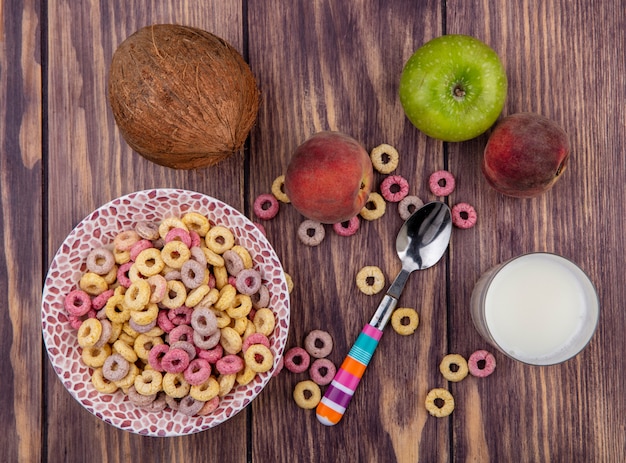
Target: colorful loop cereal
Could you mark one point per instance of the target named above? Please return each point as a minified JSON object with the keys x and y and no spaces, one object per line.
{"x":77,"y":303}
{"x":463,"y":215}
{"x":204,"y":392}
{"x":322,"y":371}
{"x":311,"y":232}
{"x":128,"y":380}
{"x":241,"y":307}
{"x":145,"y":317}
{"x":212,"y":258}
{"x":125,"y":240}
{"x":441,"y":183}
{"x":138,"y":295}
{"x":229,"y":364}
{"x":138,"y":399}
{"x":226,"y":382}
{"x":101,"y":384}
{"x":248,"y":281}
{"x":148,"y":382}
{"x":175,"y":254}
{"x":209,"y":406}
{"x":255,"y":338}
{"x":374,"y":208}
{"x":261,"y":298}
{"x":180,"y":315}
{"x":347,"y":228}
{"x":125,"y":350}
{"x":157,"y":405}
{"x":307,"y":394}
{"x":115,"y":367}
{"x":194,"y":221}
{"x":197,"y":254}
{"x":481,"y":363}
{"x":147,"y":230}
{"x":192,"y":273}
{"x":259,"y":358}
{"x":454,"y":367}
{"x":156,"y":355}
{"x":149,"y":262}
{"x":394,"y":188}
{"x":175,"y":361}
{"x":93,"y":284}
{"x":100,"y":261}
{"x":233,"y":262}
{"x":105,"y":336}
{"x":174,"y":385}
{"x":164,"y":322}
{"x":384,"y":158}
{"x":297,"y":360}
{"x":179,"y":234}
{"x":94,"y":357}
{"x":213,"y":354}
{"x":220,"y":274}
{"x":101,"y":299}
{"x":230,"y":340}
{"x":370,"y":280}
{"x":181,"y":333}
{"x":278,"y":189}
{"x":219,"y":239}
{"x":198,"y":371}
{"x":203,"y":321}
{"x":244,"y":377}
{"x":318,"y":344}
{"x":122,"y":274}
{"x":89,"y":332}
{"x":143,"y":345}
{"x":168,"y":223}
{"x":139,"y":246}
{"x":404,"y":321}
{"x":175,"y":294}
{"x":266,"y":206}
{"x":408,"y":205}
{"x":187,"y":346}
{"x":264,"y":321}
{"x":439,"y":402}
{"x":227,"y":297}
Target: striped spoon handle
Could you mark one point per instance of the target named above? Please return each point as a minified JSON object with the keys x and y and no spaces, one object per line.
{"x":340,"y":391}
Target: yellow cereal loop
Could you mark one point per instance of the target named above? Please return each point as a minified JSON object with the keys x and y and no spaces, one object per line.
{"x":264,"y":321}
{"x":143,"y":343}
{"x":370,"y":280}
{"x":230,"y":340}
{"x":278,"y":189}
{"x":137,"y":295}
{"x":125,"y":350}
{"x":146,"y":315}
{"x":115,"y":309}
{"x":227,"y":297}
{"x":175,"y":254}
{"x":213,"y":259}
{"x":384,"y":158}
{"x":289,"y":281}
{"x":454,"y":367}
{"x":439,"y":402}
{"x":101,"y":384}
{"x":115,"y":331}
{"x":245,"y":376}
{"x":175,"y":294}
{"x":196,"y":222}
{"x":195,"y":296}
{"x":168,"y":223}
{"x":94,"y":357}
{"x":93,"y":284}
{"x":128,"y":380}
{"x":307,"y":394}
{"x":111,"y":277}
{"x":127,"y":338}
{"x":239,"y":325}
{"x":223,"y":320}
{"x":121,"y":257}
{"x":226,"y":382}
{"x":242,"y":252}
{"x":211,"y":298}
{"x":89,"y":332}
{"x":175,"y":386}
{"x":131,"y":332}
{"x":374,"y":207}
{"x":250,"y":329}
{"x":404,"y":321}
{"x":149,"y":262}
{"x":148,"y":382}
{"x":241,"y":307}
{"x":205,"y":391}
{"x":259,"y":358}
{"x":219,"y":239}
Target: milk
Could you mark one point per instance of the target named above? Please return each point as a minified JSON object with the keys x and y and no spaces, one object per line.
{"x":539,"y":308}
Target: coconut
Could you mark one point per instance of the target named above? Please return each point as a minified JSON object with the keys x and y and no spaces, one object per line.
{"x":182,"y":97}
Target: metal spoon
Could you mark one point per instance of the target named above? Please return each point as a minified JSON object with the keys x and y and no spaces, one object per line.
{"x":421,"y":242}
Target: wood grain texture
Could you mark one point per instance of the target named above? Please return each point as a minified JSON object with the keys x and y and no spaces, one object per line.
{"x":329,"y":65}
{"x":20,"y":230}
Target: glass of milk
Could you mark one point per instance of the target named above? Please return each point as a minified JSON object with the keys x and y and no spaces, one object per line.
{"x":538,"y":308}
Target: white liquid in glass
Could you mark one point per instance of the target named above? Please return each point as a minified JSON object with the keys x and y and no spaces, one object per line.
{"x":536,"y":306}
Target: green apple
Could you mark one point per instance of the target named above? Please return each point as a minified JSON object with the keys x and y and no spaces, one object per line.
{"x":453,"y":87}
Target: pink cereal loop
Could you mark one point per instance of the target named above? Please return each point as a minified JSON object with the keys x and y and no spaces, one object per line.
{"x":481,"y":363}
{"x":198,"y":371}
{"x":266,"y":206}
{"x":394,"y":188}
{"x":139,"y":246}
{"x":156,"y":354}
{"x":195,"y":238}
{"x":255,"y":338}
{"x":75,"y":322}
{"x":229,"y":364}
{"x":178,"y":234}
{"x":212,"y":355}
{"x":463,"y":215}
{"x":175,"y":361}
{"x":181,"y":333}
{"x":297,"y":360}
{"x":164,"y":322}
{"x":322,"y":371}
{"x":122,"y":274}
{"x":441,"y":183}
{"x":347,"y":228}
{"x":101,"y":299}
{"x":77,"y":303}
{"x":180,"y":315}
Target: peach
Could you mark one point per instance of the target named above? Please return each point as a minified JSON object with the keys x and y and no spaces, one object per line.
{"x":525,"y":155}
{"x":329,"y":177}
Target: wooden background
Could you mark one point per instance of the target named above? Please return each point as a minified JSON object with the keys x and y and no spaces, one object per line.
{"x":324,"y":64}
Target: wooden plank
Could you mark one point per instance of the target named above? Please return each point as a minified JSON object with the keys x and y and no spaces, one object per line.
{"x":563,"y":61}
{"x":90,"y":164}
{"x":20,"y":232}
{"x":335,"y":66}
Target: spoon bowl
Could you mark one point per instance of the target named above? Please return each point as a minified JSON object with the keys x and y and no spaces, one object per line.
{"x":420,"y":244}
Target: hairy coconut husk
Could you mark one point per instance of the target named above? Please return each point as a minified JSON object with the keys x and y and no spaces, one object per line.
{"x":182,"y":97}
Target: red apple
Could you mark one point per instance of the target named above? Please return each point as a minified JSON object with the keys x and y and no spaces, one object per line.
{"x":525,"y":155}
{"x":329,"y":177}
